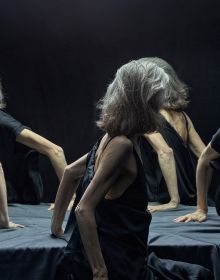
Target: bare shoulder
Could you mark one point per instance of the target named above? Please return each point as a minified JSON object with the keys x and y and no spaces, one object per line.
{"x":117,"y":152}
{"x":165,"y":113}
{"x":122,"y":142}
{"x":120,"y":146}
{"x":121,"y":153}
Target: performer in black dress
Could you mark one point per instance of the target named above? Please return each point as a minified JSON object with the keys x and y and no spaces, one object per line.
{"x":108,"y":225}
{"x":169,"y":164}
{"x":209,"y":159}
{"x":19,"y":160}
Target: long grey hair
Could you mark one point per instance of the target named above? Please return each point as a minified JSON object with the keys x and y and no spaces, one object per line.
{"x":131,"y":103}
{"x":176,"y":97}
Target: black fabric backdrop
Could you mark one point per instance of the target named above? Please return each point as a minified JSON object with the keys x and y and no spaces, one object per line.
{"x":57,"y":57}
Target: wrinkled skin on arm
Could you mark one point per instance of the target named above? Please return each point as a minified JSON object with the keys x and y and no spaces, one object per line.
{"x":203,"y":179}
{"x":68,"y":184}
{"x":168,"y":168}
{"x":45,"y":147}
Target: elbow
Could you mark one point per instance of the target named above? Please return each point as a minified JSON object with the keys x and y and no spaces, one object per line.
{"x":72,"y":171}
{"x":57,"y":152}
{"x":69,"y":172}
{"x":166,"y":154}
{"x":203,"y":162}
{"x":82,"y":211}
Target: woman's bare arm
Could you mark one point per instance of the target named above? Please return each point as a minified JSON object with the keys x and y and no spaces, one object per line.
{"x":203,"y":179}
{"x":42,"y":145}
{"x":113,"y":161}
{"x":168,"y":168}
{"x":195,"y":142}
{"x":69,"y":182}
{"x":4,"y":218}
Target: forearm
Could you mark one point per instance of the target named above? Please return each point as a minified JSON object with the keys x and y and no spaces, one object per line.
{"x":64,"y":195}
{"x":42,"y":145}
{"x":197,"y":150}
{"x":4,"y":219}
{"x":88,"y":231}
{"x":167,"y":163}
{"x":168,"y":169}
{"x":203,"y":178}
{"x":58,"y":162}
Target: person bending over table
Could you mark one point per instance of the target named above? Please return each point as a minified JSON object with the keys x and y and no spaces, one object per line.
{"x":173,"y":145}
{"x":208,"y":159}
{"x":13,"y":131}
{"x":108,"y":226}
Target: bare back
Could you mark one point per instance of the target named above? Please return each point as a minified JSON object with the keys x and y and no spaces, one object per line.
{"x":128,"y":171}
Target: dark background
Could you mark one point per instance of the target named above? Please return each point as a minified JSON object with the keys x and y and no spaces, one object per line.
{"x":57,"y":57}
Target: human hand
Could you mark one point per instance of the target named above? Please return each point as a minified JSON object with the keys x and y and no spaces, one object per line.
{"x":197,"y":216}
{"x":163,"y":207}
{"x":51,"y":208}
{"x":57,"y":231}
{"x":11,"y":225}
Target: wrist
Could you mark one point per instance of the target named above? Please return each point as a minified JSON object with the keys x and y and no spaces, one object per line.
{"x":4,"y":222}
{"x":55,"y":226}
{"x":174,"y":202}
{"x":203,"y":210}
{"x":100,"y":271}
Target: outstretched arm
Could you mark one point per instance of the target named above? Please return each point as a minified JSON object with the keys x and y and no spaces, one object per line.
{"x":168,"y":168}
{"x":195,"y":142}
{"x":69,"y":182}
{"x":4,"y":219}
{"x":111,"y":166}
{"x":45,"y":147}
{"x":42,"y":145}
{"x":203,"y":179}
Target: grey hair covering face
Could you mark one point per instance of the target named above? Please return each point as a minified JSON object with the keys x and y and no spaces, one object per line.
{"x":131,"y":103}
{"x":176,"y":97}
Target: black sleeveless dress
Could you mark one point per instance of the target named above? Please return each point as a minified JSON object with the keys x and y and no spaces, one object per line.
{"x":123,"y":228}
{"x":185,"y":168}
